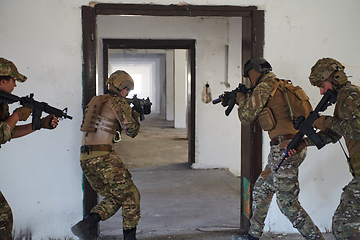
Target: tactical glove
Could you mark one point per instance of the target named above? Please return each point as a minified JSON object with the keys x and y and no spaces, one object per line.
{"x":226,"y":98}
{"x":138,"y":109}
{"x":23,"y":113}
{"x":320,"y":122}
{"x":135,"y":114}
{"x":239,"y":96}
{"x":46,"y":122}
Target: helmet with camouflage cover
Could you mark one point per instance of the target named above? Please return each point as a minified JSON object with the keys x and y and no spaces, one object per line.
{"x":120,"y":80}
{"x":8,"y":69}
{"x":324,"y":68}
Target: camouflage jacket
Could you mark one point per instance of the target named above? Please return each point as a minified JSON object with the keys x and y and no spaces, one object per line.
{"x":128,"y":122}
{"x":250,"y":108}
{"x":5,"y":132}
{"x":346,"y":119}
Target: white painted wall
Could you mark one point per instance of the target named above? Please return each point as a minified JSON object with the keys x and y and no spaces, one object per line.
{"x":41,"y":176}
{"x":169,"y":107}
{"x":180,"y":93}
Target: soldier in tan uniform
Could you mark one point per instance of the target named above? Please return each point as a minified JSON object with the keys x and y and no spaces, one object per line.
{"x":9,"y":130}
{"x":326,"y":74}
{"x":106,"y":118}
{"x":272,"y":111}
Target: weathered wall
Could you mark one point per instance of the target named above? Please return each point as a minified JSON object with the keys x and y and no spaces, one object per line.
{"x":41,"y":176}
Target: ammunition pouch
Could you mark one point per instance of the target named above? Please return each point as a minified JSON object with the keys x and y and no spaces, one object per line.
{"x":266,"y":119}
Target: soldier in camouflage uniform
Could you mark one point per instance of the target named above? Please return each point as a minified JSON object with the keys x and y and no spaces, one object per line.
{"x":274,"y":116}
{"x":106,"y":118}
{"x":9,"y":130}
{"x":326,"y":74}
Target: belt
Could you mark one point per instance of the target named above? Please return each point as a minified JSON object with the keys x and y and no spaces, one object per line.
{"x":88,"y":148}
{"x":277,"y":140}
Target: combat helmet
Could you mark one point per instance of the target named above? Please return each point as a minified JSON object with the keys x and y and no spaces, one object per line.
{"x":323,"y":69}
{"x":259,"y":64}
{"x":8,"y":69}
{"x":120,"y":80}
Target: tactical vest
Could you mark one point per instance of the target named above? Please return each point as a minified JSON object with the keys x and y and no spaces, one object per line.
{"x":275,"y":117}
{"x":93,"y":120}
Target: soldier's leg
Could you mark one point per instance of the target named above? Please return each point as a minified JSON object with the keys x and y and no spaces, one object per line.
{"x":117,"y":185}
{"x":346,"y":219}
{"x":131,"y":213}
{"x":262,"y":195}
{"x":131,"y":209}
{"x":92,"y":166}
{"x":287,"y":200}
{"x":6,"y":219}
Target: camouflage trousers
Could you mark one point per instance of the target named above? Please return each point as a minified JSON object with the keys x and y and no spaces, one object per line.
{"x":6,"y":219}
{"x":284,"y":183}
{"x":109,"y":177}
{"x":346,"y":219}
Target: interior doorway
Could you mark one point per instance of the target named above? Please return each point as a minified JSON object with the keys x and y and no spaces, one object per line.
{"x":158,"y":74}
{"x":252,"y":46}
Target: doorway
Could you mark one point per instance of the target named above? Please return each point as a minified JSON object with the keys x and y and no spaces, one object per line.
{"x":252,"y":46}
{"x":158,"y":74}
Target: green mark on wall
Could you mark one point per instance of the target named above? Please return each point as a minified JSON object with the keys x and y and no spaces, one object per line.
{"x":246,"y":198}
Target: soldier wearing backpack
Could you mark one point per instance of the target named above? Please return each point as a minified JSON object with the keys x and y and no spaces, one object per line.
{"x":275,"y":103}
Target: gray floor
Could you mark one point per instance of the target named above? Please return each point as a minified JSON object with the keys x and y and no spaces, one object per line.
{"x":177,"y":202}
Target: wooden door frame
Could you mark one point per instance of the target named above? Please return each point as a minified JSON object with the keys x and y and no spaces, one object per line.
{"x":252,"y":46}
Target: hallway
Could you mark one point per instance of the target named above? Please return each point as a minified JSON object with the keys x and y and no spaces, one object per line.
{"x":175,"y":200}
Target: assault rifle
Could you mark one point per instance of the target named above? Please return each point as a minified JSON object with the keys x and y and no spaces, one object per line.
{"x":142,"y":106}
{"x":305,"y":126}
{"x":36,"y":107}
{"x":230,"y":97}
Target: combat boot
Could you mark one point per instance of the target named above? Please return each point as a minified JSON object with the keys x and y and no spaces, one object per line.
{"x":247,"y":237}
{"x":83,"y":228}
{"x":130,"y":234}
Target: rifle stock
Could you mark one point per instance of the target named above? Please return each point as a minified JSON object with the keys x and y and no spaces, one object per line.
{"x":305,"y":127}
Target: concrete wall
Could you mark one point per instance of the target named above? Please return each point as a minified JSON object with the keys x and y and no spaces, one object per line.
{"x":41,"y":176}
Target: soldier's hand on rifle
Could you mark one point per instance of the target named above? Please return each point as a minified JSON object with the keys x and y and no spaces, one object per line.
{"x":135,"y":114}
{"x":138,"y":109}
{"x":299,"y":148}
{"x":225,"y":98}
{"x":239,"y":96}
{"x":23,"y":113}
{"x":49,"y":122}
{"x":320,"y":123}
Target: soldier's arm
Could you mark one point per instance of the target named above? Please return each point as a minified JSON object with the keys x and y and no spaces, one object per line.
{"x":348,"y":123}
{"x":22,"y":130}
{"x":250,"y":108}
{"x":128,"y":120}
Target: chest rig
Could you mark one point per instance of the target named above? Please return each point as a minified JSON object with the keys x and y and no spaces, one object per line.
{"x":93,"y":120}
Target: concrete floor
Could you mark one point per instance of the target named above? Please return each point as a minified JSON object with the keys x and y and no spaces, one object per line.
{"x":177,"y":202}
